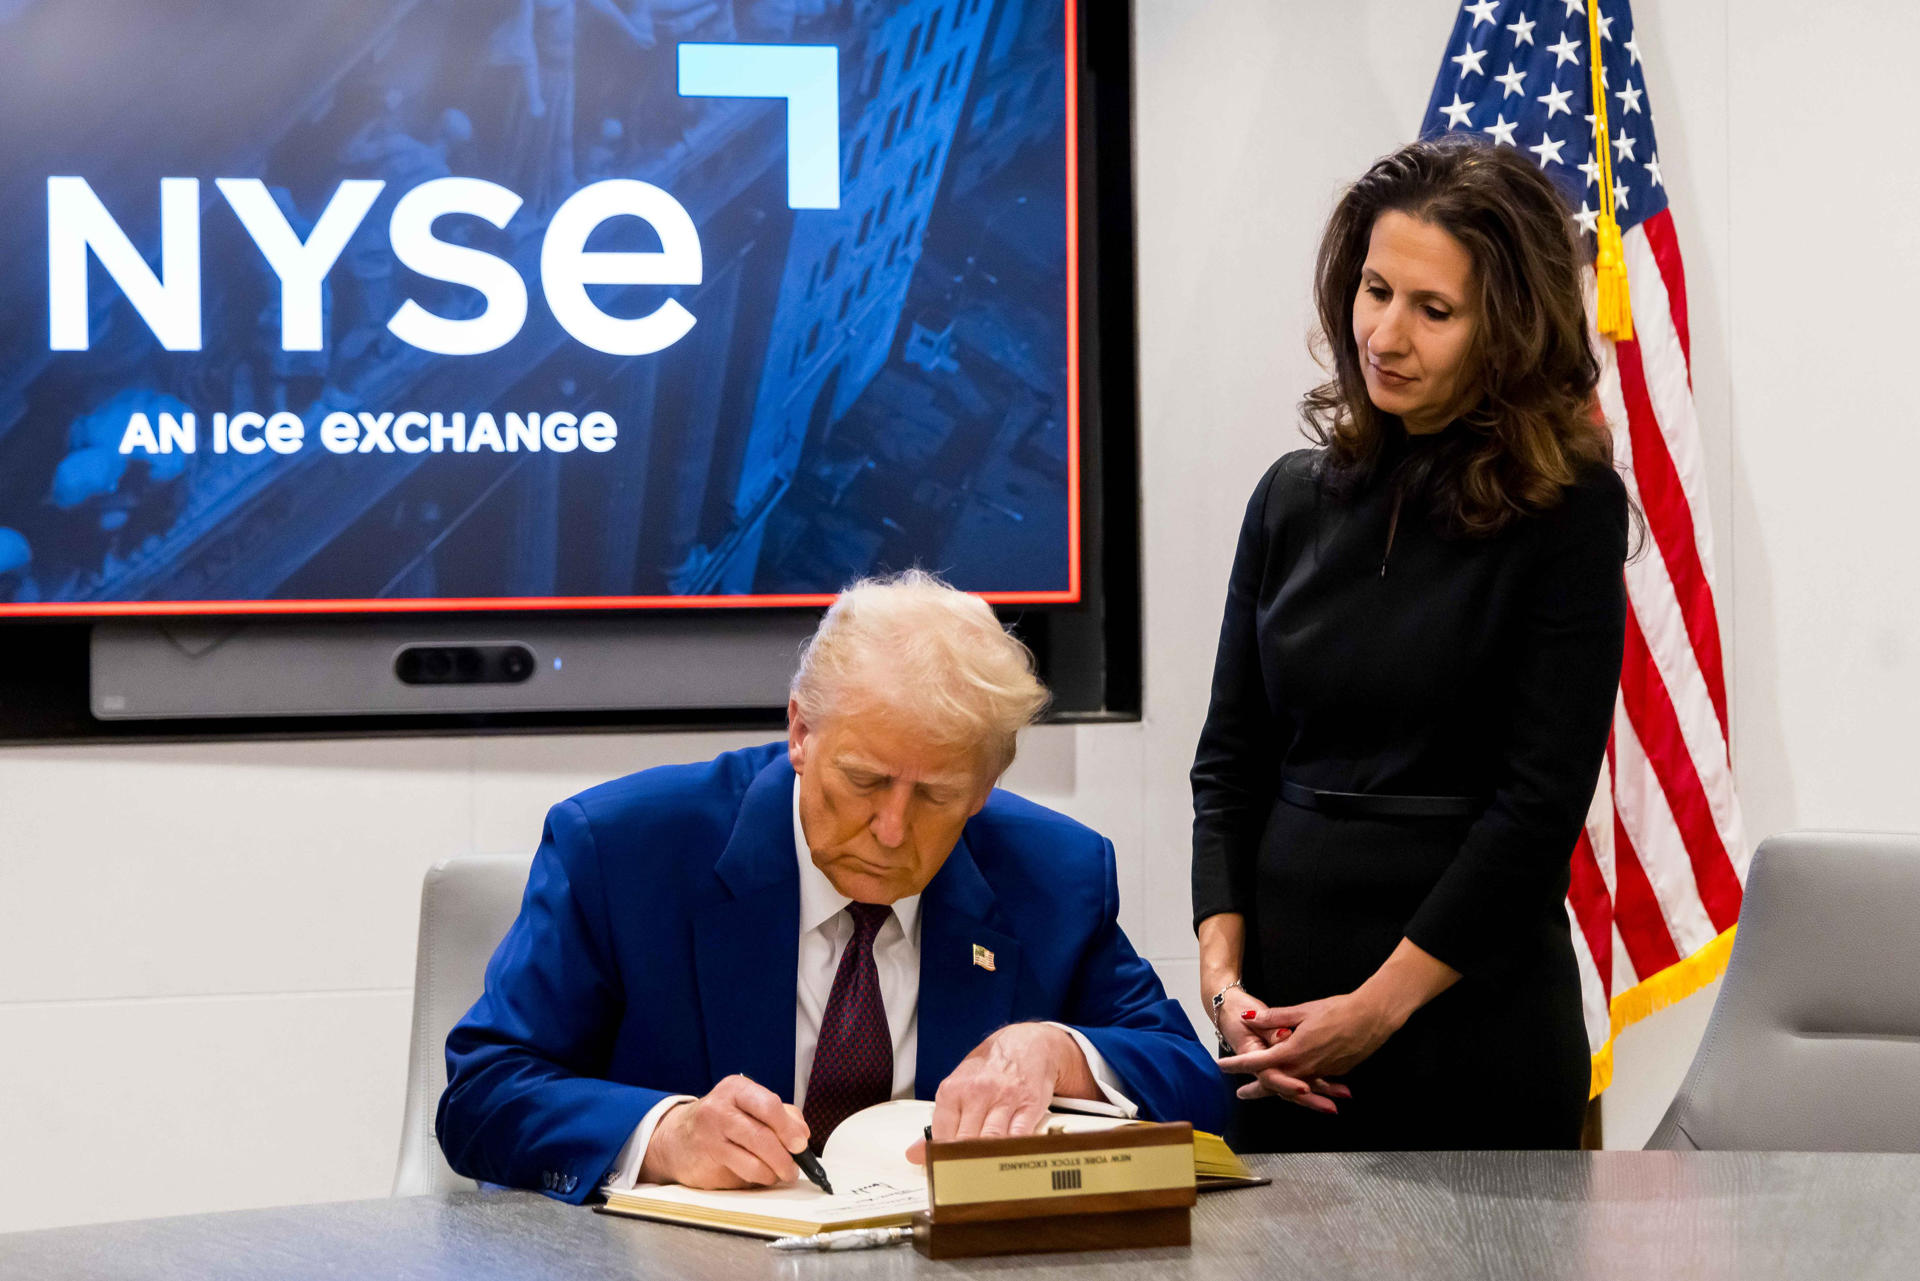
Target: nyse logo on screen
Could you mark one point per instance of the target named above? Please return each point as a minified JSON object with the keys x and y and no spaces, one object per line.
{"x":78,"y":224}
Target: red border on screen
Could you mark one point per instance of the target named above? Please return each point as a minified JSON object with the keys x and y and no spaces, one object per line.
{"x":441,"y":604}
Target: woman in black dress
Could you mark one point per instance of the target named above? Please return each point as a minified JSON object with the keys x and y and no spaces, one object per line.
{"x":1414,"y":684}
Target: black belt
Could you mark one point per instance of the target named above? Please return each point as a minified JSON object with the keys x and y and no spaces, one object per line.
{"x":1378,"y":805}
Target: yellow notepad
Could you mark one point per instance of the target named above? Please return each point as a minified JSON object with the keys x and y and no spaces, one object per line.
{"x":1215,"y":1165}
{"x":875,"y":1186}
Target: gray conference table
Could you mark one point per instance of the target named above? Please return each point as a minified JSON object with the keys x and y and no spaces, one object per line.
{"x":1637,"y":1215}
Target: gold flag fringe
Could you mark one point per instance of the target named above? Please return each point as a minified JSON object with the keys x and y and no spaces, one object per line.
{"x":1675,"y":983}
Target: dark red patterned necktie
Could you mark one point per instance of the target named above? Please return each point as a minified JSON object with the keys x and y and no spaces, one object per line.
{"x":853,"y":1063}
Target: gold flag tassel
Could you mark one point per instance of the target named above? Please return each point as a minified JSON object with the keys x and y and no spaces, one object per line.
{"x":1610,"y":264}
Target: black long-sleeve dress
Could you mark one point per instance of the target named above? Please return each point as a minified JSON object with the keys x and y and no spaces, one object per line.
{"x":1355,"y":657}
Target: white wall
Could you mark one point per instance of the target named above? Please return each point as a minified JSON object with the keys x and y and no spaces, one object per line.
{"x":206,"y":951}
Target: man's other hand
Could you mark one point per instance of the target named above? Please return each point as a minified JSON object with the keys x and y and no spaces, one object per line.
{"x":1002,"y":1089}
{"x":739,"y":1136}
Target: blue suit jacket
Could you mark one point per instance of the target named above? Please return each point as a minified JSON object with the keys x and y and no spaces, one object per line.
{"x":656,"y":952}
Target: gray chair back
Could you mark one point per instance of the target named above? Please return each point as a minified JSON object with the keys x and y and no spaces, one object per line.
{"x":1814,"y":1042}
{"x":466,"y":905}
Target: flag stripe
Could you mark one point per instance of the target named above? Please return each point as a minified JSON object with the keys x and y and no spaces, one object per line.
{"x":1640,"y":922}
{"x":1658,"y":728}
{"x":1623,"y":977}
{"x":1636,"y":912}
{"x":1654,"y":836}
{"x":1595,"y":1003}
{"x":1666,"y":253}
{"x":1590,"y":892}
{"x":1651,"y":596}
{"x":1671,"y":523}
{"x":1670,"y":392}
{"x":1592,"y":908}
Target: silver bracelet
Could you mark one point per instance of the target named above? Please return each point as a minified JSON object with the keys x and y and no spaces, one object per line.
{"x":1219,"y":1002}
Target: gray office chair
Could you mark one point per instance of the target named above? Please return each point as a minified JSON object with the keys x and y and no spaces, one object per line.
{"x":1814,"y":1042}
{"x":466,"y":905}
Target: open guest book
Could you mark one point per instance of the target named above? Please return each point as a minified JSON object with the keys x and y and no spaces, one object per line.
{"x":875,"y":1186}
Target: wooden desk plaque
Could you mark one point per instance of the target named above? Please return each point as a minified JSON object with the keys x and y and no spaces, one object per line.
{"x":1112,"y":1189}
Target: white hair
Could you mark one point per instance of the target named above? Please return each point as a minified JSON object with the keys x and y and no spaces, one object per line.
{"x":912,"y":644}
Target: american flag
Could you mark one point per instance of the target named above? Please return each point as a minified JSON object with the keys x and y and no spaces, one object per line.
{"x":1658,"y":871}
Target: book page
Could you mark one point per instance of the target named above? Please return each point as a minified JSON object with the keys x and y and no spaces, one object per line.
{"x":871,"y":1145}
{"x":865,"y":1160}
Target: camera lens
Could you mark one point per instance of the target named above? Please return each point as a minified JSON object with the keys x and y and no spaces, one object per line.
{"x":516,"y":664}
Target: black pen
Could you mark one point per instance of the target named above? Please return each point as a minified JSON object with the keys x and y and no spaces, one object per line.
{"x":810,"y":1166}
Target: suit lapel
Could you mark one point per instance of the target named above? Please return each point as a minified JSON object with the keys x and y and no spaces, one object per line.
{"x":746,"y":945}
{"x":961,"y":1001}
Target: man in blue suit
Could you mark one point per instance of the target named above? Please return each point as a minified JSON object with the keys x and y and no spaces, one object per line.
{"x":715,"y":964}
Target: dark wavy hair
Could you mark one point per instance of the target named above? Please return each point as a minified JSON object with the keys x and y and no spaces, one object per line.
{"x":1529,"y":418}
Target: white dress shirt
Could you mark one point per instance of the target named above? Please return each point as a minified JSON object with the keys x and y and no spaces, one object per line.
{"x":825,"y":929}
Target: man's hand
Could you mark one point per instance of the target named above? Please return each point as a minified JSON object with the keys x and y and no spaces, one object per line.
{"x":1002,"y":1089}
{"x":739,"y":1136}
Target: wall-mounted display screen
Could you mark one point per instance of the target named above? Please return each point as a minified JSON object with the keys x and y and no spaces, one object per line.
{"x":357,"y":305}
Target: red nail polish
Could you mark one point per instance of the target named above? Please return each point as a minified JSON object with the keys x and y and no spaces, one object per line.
{"x":1246,"y":1014}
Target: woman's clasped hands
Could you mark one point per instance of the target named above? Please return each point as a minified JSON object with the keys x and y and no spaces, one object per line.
{"x":1294,"y":1051}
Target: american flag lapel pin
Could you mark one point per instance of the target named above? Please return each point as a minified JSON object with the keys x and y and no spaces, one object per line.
{"x":982,"y":957}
